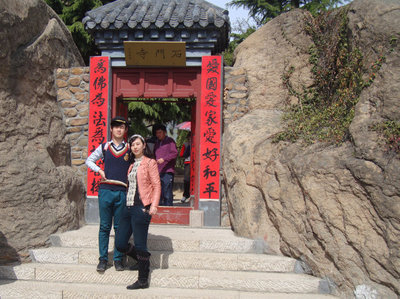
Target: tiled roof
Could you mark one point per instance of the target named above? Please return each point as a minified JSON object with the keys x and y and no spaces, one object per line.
{"x":160,"y":13}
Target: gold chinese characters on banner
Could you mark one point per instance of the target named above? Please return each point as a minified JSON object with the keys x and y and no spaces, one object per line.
{"x":155,"y":53}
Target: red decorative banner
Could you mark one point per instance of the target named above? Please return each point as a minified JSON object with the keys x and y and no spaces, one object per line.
{"x":98,"y":113}
{"x":210,"y":127}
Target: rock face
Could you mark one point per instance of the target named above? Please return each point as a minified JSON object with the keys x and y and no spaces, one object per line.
{"x":335,"y":208}
{"x":39,"y":192}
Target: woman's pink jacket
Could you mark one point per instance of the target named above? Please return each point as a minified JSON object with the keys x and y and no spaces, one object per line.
{"x":148,"y":180}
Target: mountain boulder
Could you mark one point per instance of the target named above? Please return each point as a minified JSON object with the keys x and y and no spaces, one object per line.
{"x":39,"y":192}
{"x":336,"y":208}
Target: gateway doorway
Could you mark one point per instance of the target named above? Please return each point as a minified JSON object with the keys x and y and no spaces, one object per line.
{"x":151,"y":86}
{"x":109,"y":86}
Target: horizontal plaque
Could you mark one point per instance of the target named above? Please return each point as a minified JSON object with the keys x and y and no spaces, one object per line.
{"x":155,"y":53}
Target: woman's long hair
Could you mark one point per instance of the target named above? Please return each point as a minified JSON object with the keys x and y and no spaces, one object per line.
{"x":146,"y":151}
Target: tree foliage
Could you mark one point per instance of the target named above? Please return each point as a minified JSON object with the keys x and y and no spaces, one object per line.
{"x":144,"y":113}
{"x":71,"y":13}
{"x":264,"y":10}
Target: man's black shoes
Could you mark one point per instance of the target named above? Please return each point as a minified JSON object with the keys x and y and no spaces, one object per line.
{"x":118,"y":266}
{"x":102,"y":266}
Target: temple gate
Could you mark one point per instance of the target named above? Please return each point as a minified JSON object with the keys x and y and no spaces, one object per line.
{"x":163,"y":49}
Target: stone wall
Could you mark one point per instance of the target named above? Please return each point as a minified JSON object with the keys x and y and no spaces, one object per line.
{"x":235,"y":94}
{"x":73,"y":98}
{"x":235,"y":105}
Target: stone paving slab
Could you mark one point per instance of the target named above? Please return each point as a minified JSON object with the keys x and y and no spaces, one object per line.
{"x":168,"y":238}
{"x":180,"y":260}
{"x":33,"y":290}
{"x":170,"y":231}
{"x":28,"y":289}
{"x":167,"y":278}
{"x":259,"y":282}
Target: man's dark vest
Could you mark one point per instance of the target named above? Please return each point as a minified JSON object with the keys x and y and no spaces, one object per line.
{"x":116,"y":164}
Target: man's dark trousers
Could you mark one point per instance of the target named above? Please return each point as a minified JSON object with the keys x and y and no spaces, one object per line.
{"x":167,"y":183}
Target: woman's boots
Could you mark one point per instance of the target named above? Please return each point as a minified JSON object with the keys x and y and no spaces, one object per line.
{"x":133,"y":254}
{"x":144,"y":270}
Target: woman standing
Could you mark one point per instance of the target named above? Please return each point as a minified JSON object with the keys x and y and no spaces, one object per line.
{"x":141,"y":203}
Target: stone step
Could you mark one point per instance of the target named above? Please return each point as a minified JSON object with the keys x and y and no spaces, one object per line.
{"x":170,"y":278}
{"x":51,"y":290}
{"x":169,"y":238}
{"x":175,"y":260}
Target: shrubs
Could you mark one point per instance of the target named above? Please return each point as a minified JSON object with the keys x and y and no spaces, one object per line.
{"x":390,"y":131}
{"x":325,"y":110}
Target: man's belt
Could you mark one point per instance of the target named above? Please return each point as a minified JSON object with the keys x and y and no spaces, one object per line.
{"x":114,"y":182}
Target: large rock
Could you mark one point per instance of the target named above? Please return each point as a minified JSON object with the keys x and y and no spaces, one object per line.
{"x":39,"y":192}
{"x":335,"y":208}
{"x":284,"y":44}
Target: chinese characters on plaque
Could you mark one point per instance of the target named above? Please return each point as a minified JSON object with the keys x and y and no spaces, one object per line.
{"x":155,"y":53}
{"x":98,"y":113}
{"x":210,"y":127}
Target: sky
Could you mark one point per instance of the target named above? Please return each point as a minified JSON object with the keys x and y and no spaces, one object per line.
{"x":235,"y":14}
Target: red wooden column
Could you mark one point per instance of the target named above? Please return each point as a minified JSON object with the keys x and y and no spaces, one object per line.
{"x":208,"y":139}
{"x":98,"y":113}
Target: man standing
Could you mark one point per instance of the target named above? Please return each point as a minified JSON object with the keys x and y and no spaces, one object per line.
{"x":112,"y":189}
{"x":166,"y":153}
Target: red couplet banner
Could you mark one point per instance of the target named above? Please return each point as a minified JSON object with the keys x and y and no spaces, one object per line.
{"x":98,"y":113}
{"x":210,"y":127}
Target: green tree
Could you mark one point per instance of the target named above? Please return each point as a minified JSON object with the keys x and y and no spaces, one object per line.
{"x":264,"y":10}
{"x":72,"y":12}
{"x":144,"y":113}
